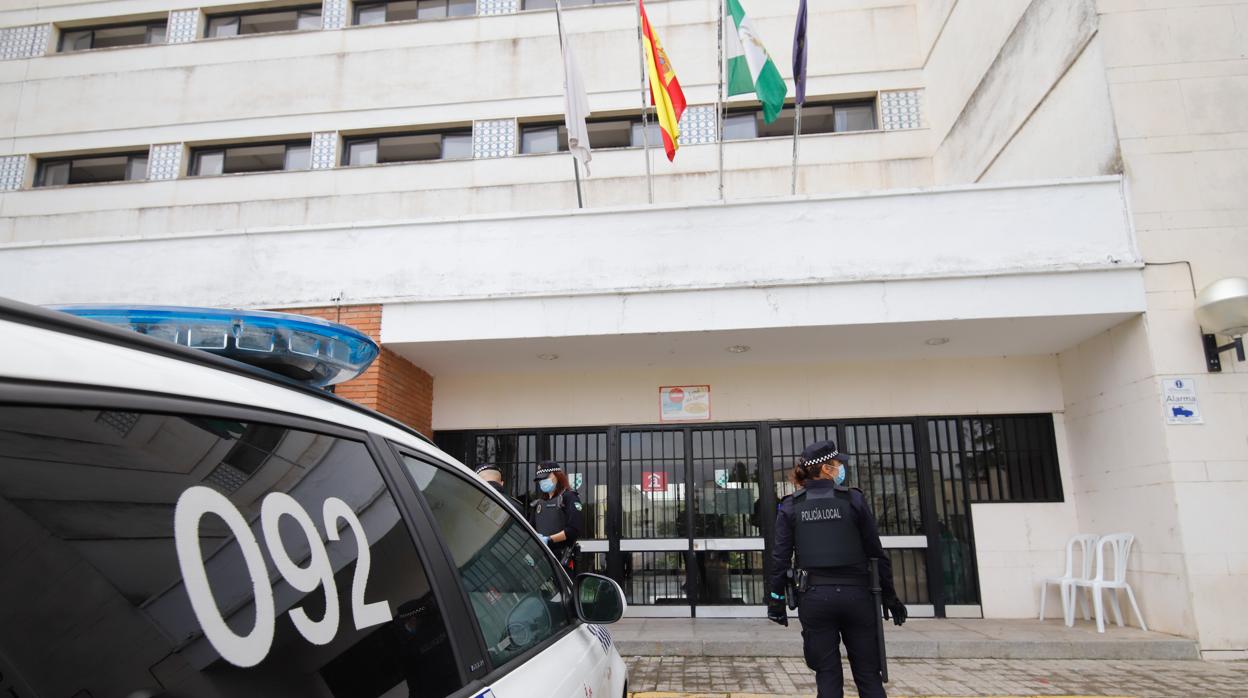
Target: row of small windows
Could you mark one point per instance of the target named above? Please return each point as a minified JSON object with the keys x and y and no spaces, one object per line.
{"x":285,"y":18}
{"x":450,"y":144}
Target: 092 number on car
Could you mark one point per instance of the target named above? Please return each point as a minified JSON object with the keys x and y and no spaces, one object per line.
{"x":251,"y":648}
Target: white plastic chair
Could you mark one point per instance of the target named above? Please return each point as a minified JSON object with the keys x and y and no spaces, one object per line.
{"x":1121,"y":544}
{"x":1086,"y":542}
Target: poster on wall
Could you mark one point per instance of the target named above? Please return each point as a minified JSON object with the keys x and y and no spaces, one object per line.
{"x":685,"y":403}
{"x":1182,"y":407}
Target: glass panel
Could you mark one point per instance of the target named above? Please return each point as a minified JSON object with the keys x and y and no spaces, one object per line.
{"x":540,"y":4}
{"x":884,"y":466}
{"x":782,"y":126}
{"x":456,"y":146}
{"x":223,"y":26}
{"x":370,"y":14}
{"x":255,"y":158}
{"x":652,"y":483}
{"x":946,"y":438}
{"x":858,"y":118}
{"x":655,"y":579}
{"x":818,"y":119}
{"x":424,"y":146}
{"x":462,"y":8}
{"x":402,"y":11}
{"x":298,"y":157}
{"x":120,"y":36}
{"x":654,"y":135}
{"x":309,"y":19}
{"x":76,"y":40}
{"x":156,"y":34}
{"x":431,"y":9}
{"x":611,"y":134}
{"x":725,"y":478}
{"x":93,"y":504}
{"x":106,"y":169}
{"x":54,"y":173}
{"x":730,"y":578}
{"x":787,"y":444}
{"x":362,"y":153}
{"x":269,"y":22}
{"x":515,"y":455}
{"x":517,"y":596}
{"x":740,"y":127}
{"x":543,"y":139}
{"x":584,"y":459}
{"x":910,"y":575}
{"x":137,"y":168}
{"x":211,"y":162}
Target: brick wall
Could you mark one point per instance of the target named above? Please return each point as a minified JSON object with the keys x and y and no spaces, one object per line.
{"x":392,"y":385}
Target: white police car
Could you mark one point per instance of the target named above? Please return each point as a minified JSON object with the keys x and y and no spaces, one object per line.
{"x":176,"y":523}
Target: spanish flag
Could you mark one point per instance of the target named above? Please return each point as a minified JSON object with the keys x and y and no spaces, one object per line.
{"x":665,"y":93}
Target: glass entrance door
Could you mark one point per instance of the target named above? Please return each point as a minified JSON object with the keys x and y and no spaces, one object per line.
{"x":690,"y":521}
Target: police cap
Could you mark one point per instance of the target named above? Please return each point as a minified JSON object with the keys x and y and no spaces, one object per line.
{"x":822,"y":452}
{"x":545,"y":468}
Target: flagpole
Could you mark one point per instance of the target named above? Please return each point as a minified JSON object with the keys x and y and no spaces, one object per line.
{"x":576,"y":171}
{"x":645,"y":124}
{"x":719,"y":101}
{"x":797,"y":131}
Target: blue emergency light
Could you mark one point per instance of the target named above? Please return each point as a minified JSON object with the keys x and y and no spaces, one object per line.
{"x":308,"y":349}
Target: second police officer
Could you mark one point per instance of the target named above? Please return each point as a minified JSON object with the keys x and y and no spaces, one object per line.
{"x":833,"y":533}
{"x":557,"y":513}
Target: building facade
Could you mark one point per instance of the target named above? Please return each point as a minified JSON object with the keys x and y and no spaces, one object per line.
{"x":983,"y":286}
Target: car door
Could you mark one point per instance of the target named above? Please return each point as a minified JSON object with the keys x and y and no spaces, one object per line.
{"x":520,"y":596}
{"x":157,"y":546}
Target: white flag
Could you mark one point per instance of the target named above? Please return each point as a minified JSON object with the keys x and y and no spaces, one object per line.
{"x":575,"y":103}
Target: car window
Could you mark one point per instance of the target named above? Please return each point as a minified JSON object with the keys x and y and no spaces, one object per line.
{"x":155,"y":554}
{"x":518,"y":596}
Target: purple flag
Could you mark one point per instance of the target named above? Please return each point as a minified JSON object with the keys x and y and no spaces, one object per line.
{"x":799,"y":54}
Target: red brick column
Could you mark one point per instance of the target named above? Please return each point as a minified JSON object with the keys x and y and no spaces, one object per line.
{"x":392,"y":385}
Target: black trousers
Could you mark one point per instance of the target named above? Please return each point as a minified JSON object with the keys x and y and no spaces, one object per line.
{"x":834,"y":614}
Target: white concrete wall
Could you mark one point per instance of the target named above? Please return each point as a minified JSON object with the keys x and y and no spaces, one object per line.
{"x":1016,"y":545}
{"x":375,"y":77}
{"x":1066,"y":227}
{"x":1178,"y":76}
{"x":750,"y":392}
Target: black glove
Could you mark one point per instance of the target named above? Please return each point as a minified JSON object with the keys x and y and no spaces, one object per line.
{"x":776,"y":611}
{"x":898,"y":610}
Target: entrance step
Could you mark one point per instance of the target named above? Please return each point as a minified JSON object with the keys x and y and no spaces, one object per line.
{"x":918,"y":639}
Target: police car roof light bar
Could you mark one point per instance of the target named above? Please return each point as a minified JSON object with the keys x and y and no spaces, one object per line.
{"x":308,"y":349}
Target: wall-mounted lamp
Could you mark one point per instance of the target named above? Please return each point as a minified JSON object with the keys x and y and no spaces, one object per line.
{"x":1222,"y":309}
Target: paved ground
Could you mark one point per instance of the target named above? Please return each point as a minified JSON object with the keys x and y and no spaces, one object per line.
{"x":918,"y":639}
{"x":782,"y":676}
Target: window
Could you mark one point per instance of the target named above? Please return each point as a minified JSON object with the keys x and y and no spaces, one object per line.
{"x":401,"y":10}
{"x":517,"y":595}
{"x":91,"y":169}
{"x":262,"y":157}
{"x":263,"y":22}
{"x":371,"y":150}
{"x":550,"y":4}
{"x":747,"y":123}
{"x":1000,"y":459}
{"x":136,"y":34}
{"x":140,"y":548}
{"x":603,"y":133}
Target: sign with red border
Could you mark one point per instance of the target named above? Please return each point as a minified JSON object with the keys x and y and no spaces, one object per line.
{"x":685,"y":403}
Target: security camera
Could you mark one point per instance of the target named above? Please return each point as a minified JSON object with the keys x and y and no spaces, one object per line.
{"x":1222,"y":309}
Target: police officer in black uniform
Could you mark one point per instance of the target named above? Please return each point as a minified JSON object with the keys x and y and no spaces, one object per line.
{"x":557,"y":513}
{"x":492,"y":475}
{"x":835,"y":534}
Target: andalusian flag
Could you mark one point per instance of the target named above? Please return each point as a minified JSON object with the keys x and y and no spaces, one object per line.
{"x":665,"y":93}
{"x":750,"y":68}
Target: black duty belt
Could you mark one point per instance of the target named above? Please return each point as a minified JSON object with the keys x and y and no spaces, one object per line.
{"x":840,"y":580}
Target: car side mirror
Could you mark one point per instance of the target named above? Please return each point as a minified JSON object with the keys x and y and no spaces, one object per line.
{"x":599,"y":599}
